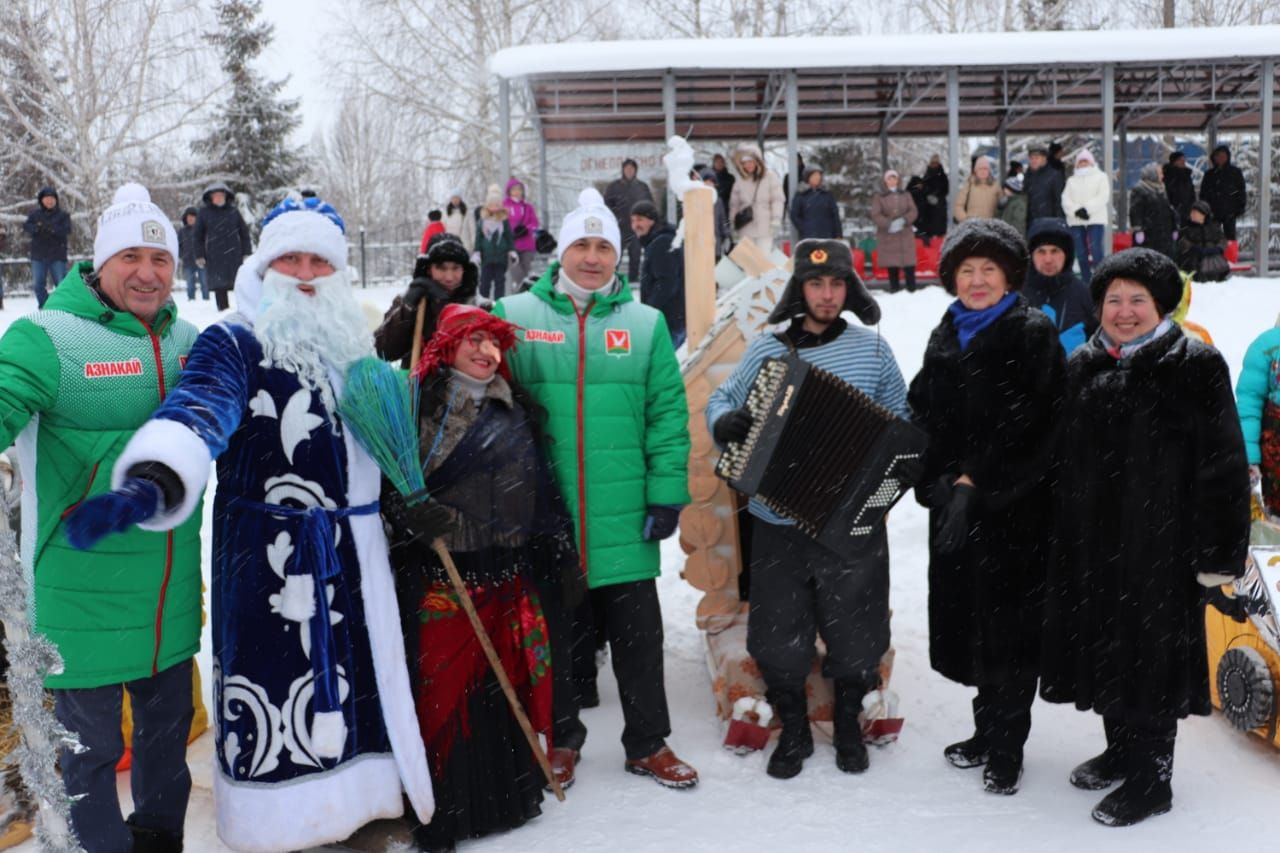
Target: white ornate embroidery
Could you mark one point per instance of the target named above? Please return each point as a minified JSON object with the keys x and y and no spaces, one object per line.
{"x":297,"y":710}
{"x":233,"y":698}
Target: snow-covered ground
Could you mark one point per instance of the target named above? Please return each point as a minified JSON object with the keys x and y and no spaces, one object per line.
{"x":1225,"y":783}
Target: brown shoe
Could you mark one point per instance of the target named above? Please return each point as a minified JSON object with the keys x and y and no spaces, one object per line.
{"x":563,"y":760}
{"x":665,"y":769}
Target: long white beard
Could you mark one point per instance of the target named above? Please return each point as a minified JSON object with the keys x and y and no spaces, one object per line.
{"x":310,"y":334}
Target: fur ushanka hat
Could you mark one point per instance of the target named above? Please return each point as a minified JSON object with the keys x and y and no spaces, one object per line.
{"x":984,"y":238}
{"x":1153,"y":270}
{"x":814,"y":258}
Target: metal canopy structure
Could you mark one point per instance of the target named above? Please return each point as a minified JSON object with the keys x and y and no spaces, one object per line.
{"x":1192,"y":81}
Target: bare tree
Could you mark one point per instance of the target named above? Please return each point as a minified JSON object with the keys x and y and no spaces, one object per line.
{"x":108,"y":84}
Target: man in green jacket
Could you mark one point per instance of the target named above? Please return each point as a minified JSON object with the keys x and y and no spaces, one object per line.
{"x":76,"y":380}
{"x":603,"y":367}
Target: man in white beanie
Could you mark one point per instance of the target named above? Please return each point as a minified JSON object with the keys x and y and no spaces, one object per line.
{"x":316,"y":733}
{"x":617,"y":436}
{"x":76,"y":380}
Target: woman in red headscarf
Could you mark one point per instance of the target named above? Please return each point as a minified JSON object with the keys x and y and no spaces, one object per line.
{"x":497,"y":511}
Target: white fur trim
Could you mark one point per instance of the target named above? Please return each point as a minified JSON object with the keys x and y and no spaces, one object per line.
{"x":248,"y":289}
{"x":300,"y":231}
{"x":298,"y":601}
{"x":177,"y":446}
{"x":386,"y":642}
{"x":328,"y":734}
{"x":322,"y":808}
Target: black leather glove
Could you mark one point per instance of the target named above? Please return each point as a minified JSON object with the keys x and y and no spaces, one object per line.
{"x":1082,"y":213}
{"x":953,"y":522}
{"x":661,"y":522}
{"x":732,"y":426}
{"x":429,"y":520}
{"x":909,"y":471}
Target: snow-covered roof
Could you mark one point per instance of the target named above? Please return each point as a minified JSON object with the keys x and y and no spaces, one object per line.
{"x":892,"y":51}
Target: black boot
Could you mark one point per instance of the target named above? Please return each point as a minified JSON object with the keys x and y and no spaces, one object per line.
{"x":795,"y":743}
{"x":1003,"y":771}
{"x":1147,"y":790}
{"x":147,"y":840}
{"x":972,"y":752}
{"x":851,"y":751}
{"x":1104,"y":770}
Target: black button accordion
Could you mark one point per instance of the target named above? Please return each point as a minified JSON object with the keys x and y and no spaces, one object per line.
{"x":821,"y":453}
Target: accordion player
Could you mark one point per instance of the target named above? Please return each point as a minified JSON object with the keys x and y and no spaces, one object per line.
{"x":822,"y":453}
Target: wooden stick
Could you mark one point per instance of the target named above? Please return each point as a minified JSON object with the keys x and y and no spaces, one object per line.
{"x":417,"y":334}
{"x":465,"y":599}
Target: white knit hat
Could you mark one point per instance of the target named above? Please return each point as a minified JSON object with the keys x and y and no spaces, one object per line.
{"x":591,"y":218}
{"x":132,"y":221}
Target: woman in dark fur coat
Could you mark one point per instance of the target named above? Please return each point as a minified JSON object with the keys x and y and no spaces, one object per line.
{"x":1153,"y":509}
{"x":989,"y":395}
{"x":494,"y":505}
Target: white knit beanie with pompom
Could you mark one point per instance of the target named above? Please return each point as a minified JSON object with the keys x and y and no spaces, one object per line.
{"x":132,"y":221}
{"x":591,"y":218}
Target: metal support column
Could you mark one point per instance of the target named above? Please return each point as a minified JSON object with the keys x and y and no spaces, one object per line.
{"x":669,"y":129}
{"x":1211,"y":133}
{"x":504,"y":129}
{"x":1122,"y":170}
{"x":953,"y":132}
{"x":1263,"y":254}
{"x":793,"y":140}
{"x":543,"y":178}
{"x":884,"y":148}
{"x":1108,"y":140}
{"x":1002,"y":140}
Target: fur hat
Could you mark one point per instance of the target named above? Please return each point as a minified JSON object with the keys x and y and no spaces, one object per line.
{"x":647,"y":209}
{"x":591,"y":218}
{"x":984,"y":238}
{"x":132,"y":221}
{"x":813,"y":258}
{"x":447,"y":248}
{"x":301,"y":225}
{"x":1153,"y":270}
{"x":1053,"y":232}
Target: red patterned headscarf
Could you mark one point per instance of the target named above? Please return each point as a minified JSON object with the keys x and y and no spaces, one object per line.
{"x":454,"y":324}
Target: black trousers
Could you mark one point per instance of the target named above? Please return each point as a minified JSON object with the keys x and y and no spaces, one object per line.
{"x":631,"y":245}
{"x":223,"y":299}
{"x":632,"y":623}
{"x":800,"y":590}
{"x":567,"y":729}
{"x":893,"y":278}
{"x":1002,"y":714}
{"x":493,"y":279}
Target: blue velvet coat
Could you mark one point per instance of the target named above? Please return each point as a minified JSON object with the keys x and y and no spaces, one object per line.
{"x":306,"y":640}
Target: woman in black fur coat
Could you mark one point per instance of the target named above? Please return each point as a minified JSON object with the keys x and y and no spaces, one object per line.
{"x":989,"y":395}
{"x":1153,"y":509}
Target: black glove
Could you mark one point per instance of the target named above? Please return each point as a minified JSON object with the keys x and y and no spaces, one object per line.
{"x":422,"y":288}
{"x":732,"y":427}
{"x":1082,"y":213}
{"x":428,"y":521}
{"x":953,"y":523}
{"x":940,"y":494}
{"x":909,"y":471}
{"x":661,"y":522}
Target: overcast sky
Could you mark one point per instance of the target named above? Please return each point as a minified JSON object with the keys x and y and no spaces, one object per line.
{"x":300,"y":50}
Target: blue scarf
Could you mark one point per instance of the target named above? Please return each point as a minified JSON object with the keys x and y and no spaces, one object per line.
{"x":969,"y":322}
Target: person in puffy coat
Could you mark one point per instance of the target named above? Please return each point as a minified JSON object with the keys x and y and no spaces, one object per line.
{"x":893,"y":212}
{"x":1152,"y":509}
{"x":814,"y":211}
{"x":1223,"y":188}
{"x":524,"y":228}
{"x":49,"y":227}
{"x":1043,"y":184}
{"x":222,"y":241}
{"x":756,"y":203}
{"x":979,"y":195}
{"x":990,"y":395}
{"x":460,"y":221}
{"x":1258,"y":405}
{"x":1086,"y":200}
{"x":1151,"y":218}
{"x":617,"y":439}
{"x":1202,"y":246}
{"x":1179,"y":186}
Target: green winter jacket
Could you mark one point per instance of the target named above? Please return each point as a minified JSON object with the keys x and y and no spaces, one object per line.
{"x":76,"y":380}
{"x":617,"y":426}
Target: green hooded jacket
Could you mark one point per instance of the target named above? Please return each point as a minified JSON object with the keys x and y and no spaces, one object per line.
{"x":76,"y":380}
{"x":617,"y":422}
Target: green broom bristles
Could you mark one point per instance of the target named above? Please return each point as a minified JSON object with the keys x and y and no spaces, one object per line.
{"x":380,"y":407}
